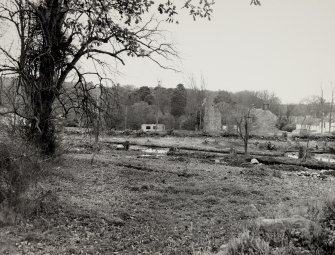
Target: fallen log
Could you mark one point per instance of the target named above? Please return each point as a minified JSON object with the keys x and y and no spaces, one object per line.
{"x":318,"y":165}
{"x":311,"y":151}
{"x":147,"y":169}
{"x":191,"y":148}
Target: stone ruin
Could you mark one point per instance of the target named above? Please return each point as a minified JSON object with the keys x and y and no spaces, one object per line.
{"x":212,"y":117}
{"x":264,"y":121}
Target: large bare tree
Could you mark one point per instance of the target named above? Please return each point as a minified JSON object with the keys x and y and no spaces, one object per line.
{"x":54,"y":35}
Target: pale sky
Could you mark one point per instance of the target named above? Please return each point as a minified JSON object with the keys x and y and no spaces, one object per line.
{"x":284,"y":46}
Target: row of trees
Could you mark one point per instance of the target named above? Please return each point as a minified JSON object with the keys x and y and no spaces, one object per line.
{"x":125,"y":107}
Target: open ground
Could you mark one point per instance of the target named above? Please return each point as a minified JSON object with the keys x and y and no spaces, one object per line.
{"x":108,"y":201}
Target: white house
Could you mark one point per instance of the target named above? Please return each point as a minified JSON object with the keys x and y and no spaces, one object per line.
{"x":153,"y":127}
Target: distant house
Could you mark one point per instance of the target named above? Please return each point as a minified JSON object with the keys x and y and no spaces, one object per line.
{"x":306,"y":124}
{"x":313,"y":125}
{"x":153,"y":127}
{"x":326,"y":123}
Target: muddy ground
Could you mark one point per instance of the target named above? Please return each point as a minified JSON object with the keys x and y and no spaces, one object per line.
{"x":135,"y":202}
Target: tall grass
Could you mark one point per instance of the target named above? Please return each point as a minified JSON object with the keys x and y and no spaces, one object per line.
{"x":319,"y":238}
{"x":20,"y":171}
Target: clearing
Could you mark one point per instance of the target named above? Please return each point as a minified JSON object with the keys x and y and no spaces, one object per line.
{"x":131,"y":202}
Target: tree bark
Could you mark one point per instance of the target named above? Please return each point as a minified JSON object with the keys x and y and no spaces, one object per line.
{"x":42,"y":128}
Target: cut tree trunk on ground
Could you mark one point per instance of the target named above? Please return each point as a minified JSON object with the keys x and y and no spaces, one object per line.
{"x":261,"y":159}
{"x":205,"y":150}
{"x":296,"y":162}
{"x":327,"y":151}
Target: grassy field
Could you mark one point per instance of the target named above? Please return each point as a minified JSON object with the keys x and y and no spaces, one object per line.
{"x":124,"y":203}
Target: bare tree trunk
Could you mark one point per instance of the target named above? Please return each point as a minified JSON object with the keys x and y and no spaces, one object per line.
{"x":246,"y":136}
{"x":322,"y":112}
{"x":246,"y":147}
{"x":200,"y":119}
{"x":157,"y":111}
{"x":331,"y":111}
{"x":1,"y":90}
{"x":97,"y":124}
{"x":42,"y":128}
{"x":126,"y":118}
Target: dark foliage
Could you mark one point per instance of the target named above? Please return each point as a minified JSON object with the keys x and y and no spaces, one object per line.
{"x":20,"y":170}
{"x":178,"y":101}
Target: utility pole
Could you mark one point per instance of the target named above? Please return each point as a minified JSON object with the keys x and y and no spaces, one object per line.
{"x":331,"y":110}
{"x":97,"y":121}
{"x":322,"y":110}
{"x":1,"y":89}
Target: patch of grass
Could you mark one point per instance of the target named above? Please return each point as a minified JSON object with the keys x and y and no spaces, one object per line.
{"x":20,"y":172}
{"x":212,"y":200}
{"x":328,"y":209}
{"x":276,"y":173}
{"x":247,"y":243}
{"x":130,"y":205}
{"x":257,"y":171}
{"x":283,"y":239}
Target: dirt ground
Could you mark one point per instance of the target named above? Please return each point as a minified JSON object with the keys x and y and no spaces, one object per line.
{"x":125,"y":202}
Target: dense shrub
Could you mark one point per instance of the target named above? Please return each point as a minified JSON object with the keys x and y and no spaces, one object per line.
{"x":19,"y":172}
{"x":284,"y":125}
{"x":247,"y":243}
{"x":284,"y":135}
{"x":281,"y":122}
{"x":282,"y":239}
{"x":326,"y":217}
{"x":188,"y":122}
{"x":289,"y":127}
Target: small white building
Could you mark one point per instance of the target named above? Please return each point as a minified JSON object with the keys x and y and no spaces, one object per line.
{"x":153,"y":127}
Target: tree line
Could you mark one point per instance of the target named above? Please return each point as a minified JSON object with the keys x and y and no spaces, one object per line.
{"x":182,"y":107}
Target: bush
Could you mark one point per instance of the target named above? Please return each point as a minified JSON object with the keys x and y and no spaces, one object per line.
{"x":188,"y":122}
{"x":19,"y":171}
{"x":246,"y":243}
{"x":328,"y":209}
{"x":291,"y":236}
{"x":327,"y":220}
{"x":289,"y":127}
{"x":281,"y":122}
{"x":284,"y":125}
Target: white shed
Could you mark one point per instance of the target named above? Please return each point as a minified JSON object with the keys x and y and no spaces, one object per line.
{"x":153,"y":127}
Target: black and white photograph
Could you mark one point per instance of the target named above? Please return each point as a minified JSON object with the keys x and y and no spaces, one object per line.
{"x":167,"y":127}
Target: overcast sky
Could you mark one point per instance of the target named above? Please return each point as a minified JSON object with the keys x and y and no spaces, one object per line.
{"x":285,"y":46}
